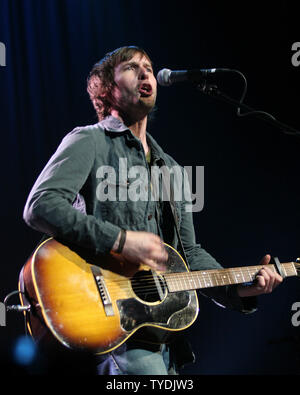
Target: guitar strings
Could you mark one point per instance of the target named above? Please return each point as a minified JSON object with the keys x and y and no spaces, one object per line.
{"x":191,"y":276}
{"x":179,"y":279}
{"x":147,"y":285}
{"x":183,"y":280}
{"x":175,"y":278}
{"x":204,"y":273}
{"x":204,"y":278}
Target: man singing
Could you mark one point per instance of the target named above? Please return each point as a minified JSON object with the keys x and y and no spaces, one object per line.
{"x":64,"y":203}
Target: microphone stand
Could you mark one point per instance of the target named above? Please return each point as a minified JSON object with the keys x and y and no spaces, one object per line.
{"x":213,"y":91}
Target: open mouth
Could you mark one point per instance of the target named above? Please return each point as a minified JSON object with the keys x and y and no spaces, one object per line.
{"x":145,"y":90}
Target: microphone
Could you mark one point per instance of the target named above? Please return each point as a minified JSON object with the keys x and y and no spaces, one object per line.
{"x":166,"y":77}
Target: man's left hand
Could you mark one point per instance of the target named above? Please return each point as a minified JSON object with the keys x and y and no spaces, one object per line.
{"x":265,"y":282}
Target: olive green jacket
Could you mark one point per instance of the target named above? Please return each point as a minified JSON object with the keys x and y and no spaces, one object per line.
{"x":81,"y":196}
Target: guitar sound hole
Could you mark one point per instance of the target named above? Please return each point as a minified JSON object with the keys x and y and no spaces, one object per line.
{"x":148,"y":286}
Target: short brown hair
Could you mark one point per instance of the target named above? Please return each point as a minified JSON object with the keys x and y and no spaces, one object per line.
{"x":101,"y":80}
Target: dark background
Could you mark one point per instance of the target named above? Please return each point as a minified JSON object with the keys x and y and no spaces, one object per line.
{"x":251,"y":167}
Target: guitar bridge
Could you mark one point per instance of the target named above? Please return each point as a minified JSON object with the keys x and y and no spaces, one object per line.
{"x":99,"y":279}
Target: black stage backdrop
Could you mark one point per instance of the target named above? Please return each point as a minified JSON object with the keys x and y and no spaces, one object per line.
{"x":251,"y":168}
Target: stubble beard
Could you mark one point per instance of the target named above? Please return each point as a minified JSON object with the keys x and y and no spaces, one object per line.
{"x":136,"y":111}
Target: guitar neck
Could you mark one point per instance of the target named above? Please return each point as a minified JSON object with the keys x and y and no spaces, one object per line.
{"x":218,"y":277}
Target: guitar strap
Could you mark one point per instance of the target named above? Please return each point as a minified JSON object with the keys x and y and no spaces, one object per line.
{"x":181,"y":348}
{"x":170,"y":201}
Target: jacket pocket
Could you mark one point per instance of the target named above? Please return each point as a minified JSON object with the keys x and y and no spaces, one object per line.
{"x":117,"y":206}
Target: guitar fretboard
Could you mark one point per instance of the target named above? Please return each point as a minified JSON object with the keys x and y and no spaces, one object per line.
{"x":217,"y":277}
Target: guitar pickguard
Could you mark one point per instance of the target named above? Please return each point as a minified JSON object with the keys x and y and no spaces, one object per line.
{"x":175,"y":311}
{"x":172,"y":313}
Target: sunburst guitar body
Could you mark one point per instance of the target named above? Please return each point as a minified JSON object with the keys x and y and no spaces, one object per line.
{"x":97,"y":304}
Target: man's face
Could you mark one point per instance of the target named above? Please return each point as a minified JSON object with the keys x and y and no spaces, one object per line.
{"x":136,"y":87}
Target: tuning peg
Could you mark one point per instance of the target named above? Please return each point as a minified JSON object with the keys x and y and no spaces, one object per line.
{"x":298,"y":260}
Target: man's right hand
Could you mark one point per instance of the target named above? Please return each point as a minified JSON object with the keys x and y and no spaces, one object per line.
{"x":144,"y":248}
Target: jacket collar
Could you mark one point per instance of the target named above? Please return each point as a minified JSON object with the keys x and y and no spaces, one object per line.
{"x":113,"y":124}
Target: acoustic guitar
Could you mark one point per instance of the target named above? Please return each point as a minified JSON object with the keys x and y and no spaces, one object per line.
{"x":96,"y":304}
